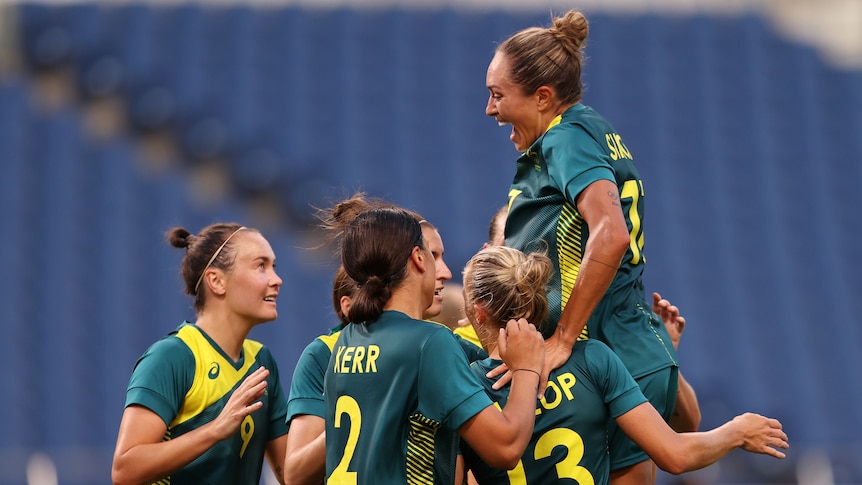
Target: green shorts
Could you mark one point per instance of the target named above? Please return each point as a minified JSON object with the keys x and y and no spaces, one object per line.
{"x":660,"y":389}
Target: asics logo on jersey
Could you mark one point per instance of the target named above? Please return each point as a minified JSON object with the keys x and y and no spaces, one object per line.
{"x":214,"y":370}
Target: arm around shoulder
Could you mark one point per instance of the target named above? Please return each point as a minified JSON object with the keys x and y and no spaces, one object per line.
{"x":500,"y":438}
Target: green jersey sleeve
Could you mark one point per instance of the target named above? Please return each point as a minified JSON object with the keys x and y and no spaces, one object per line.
{"x":306,"y":387}
{"x":574,"y":160}
{"x":162,"y":377}
{"x":448,"y":390}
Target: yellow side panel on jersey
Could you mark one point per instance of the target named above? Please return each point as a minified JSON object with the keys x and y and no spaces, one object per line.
{"x":420,"y":450}
{"x":570,"y":250}
{"x":215,"y":375}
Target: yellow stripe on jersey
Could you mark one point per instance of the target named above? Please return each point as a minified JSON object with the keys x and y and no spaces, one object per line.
{"x":570,"y":250}
{"x":329,"y":340}
{"x":420,"y":450}
{"x":215,"y":376}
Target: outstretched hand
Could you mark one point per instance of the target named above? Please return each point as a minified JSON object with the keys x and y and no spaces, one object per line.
{"x":244,"y":401}
{"x":762,"y":435}
{"x":674,"y":323}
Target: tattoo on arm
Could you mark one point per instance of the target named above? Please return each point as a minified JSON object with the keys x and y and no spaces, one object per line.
{"x":615,"y":197}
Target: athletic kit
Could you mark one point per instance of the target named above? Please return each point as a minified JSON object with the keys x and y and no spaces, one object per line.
{"x":579,"y":148}
{"x":186,"y":379}
{"x":396,"y":391}
{"x":569,"y":442}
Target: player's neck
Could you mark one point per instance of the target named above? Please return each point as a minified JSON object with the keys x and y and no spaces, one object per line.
{"x":227,"y":335}
{"x":405,"y":299}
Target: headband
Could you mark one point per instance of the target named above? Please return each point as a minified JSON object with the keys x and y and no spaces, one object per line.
{"x":218,"y":251}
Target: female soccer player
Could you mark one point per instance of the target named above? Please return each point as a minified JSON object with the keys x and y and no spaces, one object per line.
{"x":204,"y":404}
{"x":592,"y":387}
{"x":577,"y":191}
{"x":398,"y":390}
{"x":305,"y":457}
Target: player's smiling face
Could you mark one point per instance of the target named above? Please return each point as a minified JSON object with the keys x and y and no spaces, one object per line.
{"x":434,"y":243}
{"x":252,"y":283}
{"x":508,"y":104}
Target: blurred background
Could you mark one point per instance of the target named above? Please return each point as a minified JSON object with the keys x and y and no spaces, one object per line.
{"x":119,"y":120}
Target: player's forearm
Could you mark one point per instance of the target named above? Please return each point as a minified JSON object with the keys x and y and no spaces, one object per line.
{"x":595,"y":276}
{"x":500,"y":438}
{"x":699,"y":450}
{"x":306,"y":465}
{"x":148,"y":463}
{"x":520,"y":413}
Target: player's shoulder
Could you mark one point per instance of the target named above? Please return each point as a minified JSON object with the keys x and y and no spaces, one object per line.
{"x":593,"y":349}
{"x":427,"y":332}
{"x":322,"y":344}
{"x":169,"y":352}
{"x":170,"y":344}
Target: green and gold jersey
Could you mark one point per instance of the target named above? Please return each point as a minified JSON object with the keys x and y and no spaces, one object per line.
{"x":569,"y":442}
{"x":396,"y":392}
{"x":186,"y":379}
{"x":579,"y":148}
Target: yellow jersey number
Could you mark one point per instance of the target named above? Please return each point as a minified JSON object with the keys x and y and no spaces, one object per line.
{"x":634,"y":190}
{"x":569,"y":467}
{"x":246,"y":431}
{"x":346,"y":405}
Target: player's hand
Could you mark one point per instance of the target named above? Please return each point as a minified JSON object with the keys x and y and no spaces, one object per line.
{"x":761,"y":434}
{"x":243,"y":401}
{"x":669,"y":314}
{"x":556,"y":354}
{"x":521,"y":347}
{"x":505,"y":379}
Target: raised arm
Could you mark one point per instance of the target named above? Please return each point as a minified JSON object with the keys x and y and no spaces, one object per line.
{"x":500,"y":438}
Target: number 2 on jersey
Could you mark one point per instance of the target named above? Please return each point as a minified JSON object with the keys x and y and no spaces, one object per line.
{"x":346,"y":405}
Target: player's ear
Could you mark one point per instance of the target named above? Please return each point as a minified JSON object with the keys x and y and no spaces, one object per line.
{"x":544,"y":96}
{"x":479,"y":314}
{"x":417,"y":257}
{"x":215,"y":281}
